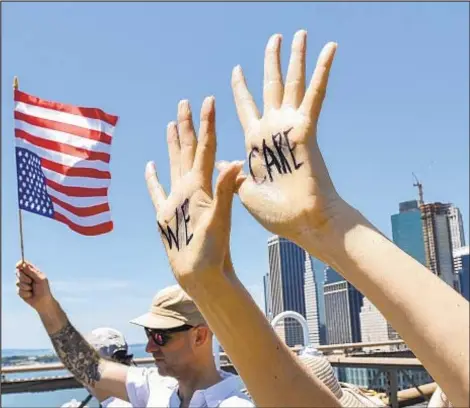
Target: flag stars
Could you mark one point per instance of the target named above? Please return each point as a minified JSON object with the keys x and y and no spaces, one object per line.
{"x":32,"y":192}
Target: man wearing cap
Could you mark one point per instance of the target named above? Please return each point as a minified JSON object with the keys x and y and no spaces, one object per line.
{"x":178,"y":338}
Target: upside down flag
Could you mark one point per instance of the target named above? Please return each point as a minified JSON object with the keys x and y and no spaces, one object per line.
{"x":62,"y":161}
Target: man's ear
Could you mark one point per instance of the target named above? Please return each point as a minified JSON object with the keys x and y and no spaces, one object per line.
{"x":202,"y":335}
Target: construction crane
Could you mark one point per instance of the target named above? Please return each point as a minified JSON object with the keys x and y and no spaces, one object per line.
{"x":420,"y":189}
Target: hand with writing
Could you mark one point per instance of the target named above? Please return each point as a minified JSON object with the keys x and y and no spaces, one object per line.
{"x":194,"y":224}
{"x":32,"y":286}
{"x":288,"y":188}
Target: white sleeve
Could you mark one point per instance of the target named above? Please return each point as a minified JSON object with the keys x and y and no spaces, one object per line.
{"x":137,"y":384}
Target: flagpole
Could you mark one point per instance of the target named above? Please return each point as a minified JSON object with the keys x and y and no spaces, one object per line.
{"x":20,"y":216}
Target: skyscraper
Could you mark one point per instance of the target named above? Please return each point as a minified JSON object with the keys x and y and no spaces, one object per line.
{"x":374,"y":327}
{"x":311,"y":302}
{"x":407,"y":230}
{"x":462,"y":268}
{"x":457,"y":234}
{"x":267,"y":297}
{"x":437,"y":241}
{"x":286,"y":277}
{"x":342,"y":307}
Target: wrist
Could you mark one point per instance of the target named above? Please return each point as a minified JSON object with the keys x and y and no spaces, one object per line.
{"x":46,"y":306}
{"x":207,"y":285}
{"x":327,"y":241}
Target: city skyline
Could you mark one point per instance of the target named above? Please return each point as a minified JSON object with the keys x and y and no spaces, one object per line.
{"x":349,"y":316}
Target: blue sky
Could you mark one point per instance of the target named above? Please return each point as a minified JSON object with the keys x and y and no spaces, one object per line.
{"x":397,"y":103}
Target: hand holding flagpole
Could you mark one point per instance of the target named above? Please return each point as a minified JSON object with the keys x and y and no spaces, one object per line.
{"x":15,"y":87}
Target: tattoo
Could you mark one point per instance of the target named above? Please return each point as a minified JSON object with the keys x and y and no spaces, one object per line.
{"x":79,"y":357}
{"x":174,"y":237}
{"x":277,"y":159}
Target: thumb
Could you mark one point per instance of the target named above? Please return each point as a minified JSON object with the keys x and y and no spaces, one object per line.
{"x":240,"y":177}
{"x":225,"y":188}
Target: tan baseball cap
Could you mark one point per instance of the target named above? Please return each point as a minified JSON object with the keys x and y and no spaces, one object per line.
{"x":170,"y":308}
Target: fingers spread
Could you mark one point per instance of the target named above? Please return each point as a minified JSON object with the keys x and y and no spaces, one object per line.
{"x":187,"y":136}
{"x":295,"y":80}
{"x":174,"y":152}
{"x":206,"y":147}
{"x":273,"y":88}
{"x":244,"y":102}
{"x":312,"y":103}
{"x":156,"y":191}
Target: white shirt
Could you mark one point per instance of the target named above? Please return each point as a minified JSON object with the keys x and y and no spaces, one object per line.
{"x":112,"y":402}
{"x":146,"y":388}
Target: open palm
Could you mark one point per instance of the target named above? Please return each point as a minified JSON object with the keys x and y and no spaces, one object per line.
{"x":288,"y":187}
{"x":194,"y":225}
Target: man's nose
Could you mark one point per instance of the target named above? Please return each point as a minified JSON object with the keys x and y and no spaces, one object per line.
{"x":152,"y":347}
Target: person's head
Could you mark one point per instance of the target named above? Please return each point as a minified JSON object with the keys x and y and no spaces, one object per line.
{"x":110,"y":344}
{"x":177,"y":335}
{"x":348,"y":395}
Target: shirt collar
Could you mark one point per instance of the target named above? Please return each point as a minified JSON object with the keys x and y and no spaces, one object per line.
{"x":230,"y":385}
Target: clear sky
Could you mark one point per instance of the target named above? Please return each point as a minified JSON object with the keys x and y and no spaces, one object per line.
{"x":397,"y":102}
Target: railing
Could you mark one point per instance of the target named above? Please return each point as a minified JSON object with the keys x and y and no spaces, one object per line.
{"x":389,"y":365}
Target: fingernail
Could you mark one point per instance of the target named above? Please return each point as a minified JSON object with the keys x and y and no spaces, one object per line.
{"x":183,"y":105}
{"x":210,"y":100}
{"x":300,"y":37}
{"x":238,"y":164}
{"x":171,"y":125}
{"x":150,"y":167}
{"x":237,"y":70}
{"x":221,"y":164}
{"x":274,"y":41}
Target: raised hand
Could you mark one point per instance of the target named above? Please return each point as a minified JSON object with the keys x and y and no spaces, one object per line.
{"x":194,"y":225}
{"x":288,"y":188}
{"x":32,"y":285}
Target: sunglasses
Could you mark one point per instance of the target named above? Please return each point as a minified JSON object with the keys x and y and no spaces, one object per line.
{"x":162,"y":337}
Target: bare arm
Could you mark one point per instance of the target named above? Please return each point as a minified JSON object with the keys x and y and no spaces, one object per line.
{"x":198,"y":249}
{"x":274,"y":376}
{"x":289,"y":191}
{"x":103,"y":378}
{"x":430,"y":316}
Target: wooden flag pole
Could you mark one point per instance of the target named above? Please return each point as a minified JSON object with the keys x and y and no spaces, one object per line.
{"x":15,"y":87}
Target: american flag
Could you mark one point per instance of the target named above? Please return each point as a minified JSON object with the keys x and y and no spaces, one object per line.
{"x":62,"y":161}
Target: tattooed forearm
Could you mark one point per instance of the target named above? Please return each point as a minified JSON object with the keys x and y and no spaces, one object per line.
{"x":79,"y":357}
